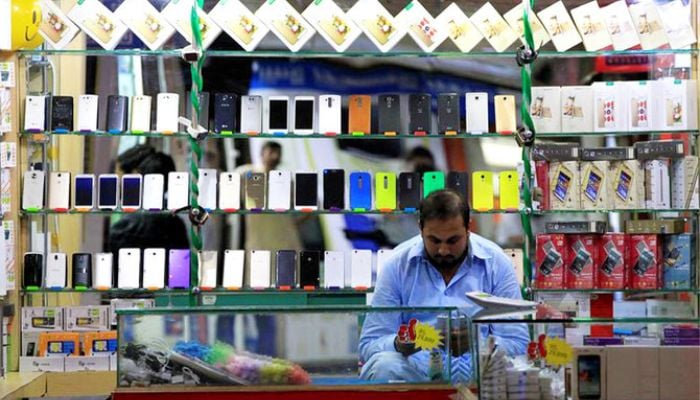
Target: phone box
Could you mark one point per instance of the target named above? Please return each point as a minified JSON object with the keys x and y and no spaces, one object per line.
{"x":41,"y":364}
{"x":377,"y":23}
{"x":42,"y":319}
{"x":578,"y":227}
{"x":30,"y":344}
{"x":679,"y":367}
{"x":100,"y":343}
{"x":550,"y":256}
{"x":655,"y":226}
{"x":686,"y":186}
{"x":59,"y":344}
{"x":128,"y":304}
{"x":611,"y":267}
{"x":564,"y":185}
{"x":542,"y":177}
{"x":648,"y":24}
{"x":147,"y":24}
{"x":545,"y":109}
{"x":626,"y":185}
{"x":679,"y":260}
{"x":589,"y":373}
{"x":239,"y":23}
{"x":678,"y":27}
{"x":581,"y":261}
{"x":560,"y":26}
{"x":609,"y":107}
{"x":594,"y":177}
{"x":421,"y":26}
{"x":461,"y":30}
{"x":657,"y":184}
{"x":640,"y":105}
{"x":633,"y":372}
{"x":576,"y":109}
{"x":620,"y":25}
{"x":87,"y":318}
{"x":98,"y":22}
{"x":591,"y":26}
{"x":556,"y":152}
{"x":607,"y":153}
{"x":643,"y":262}
{"x":677,"y":104}
{"x":514,"y":17}
{"x":177,"y":13}
{"x":655,"y":149}
{"x":87,"y":363}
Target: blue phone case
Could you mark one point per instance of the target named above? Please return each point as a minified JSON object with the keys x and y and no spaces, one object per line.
{"x":360,"y":191}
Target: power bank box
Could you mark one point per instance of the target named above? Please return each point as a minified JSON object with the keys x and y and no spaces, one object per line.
{"x":626,"y":185}
{"x":676,"y":101}
{"x":657,"y":184}
{"x":607,"y":153}
{"x":589,"y":373}
{"x":581,"y":260}
{"x":42,"y":319}
{"x":550,"y":256}
{"x":679,"y":260}
{"x":611,"y":263}
{"x":609,"y":107}
{"x":640,"y":106}
{"x":87,"y":363}
{"x":556,"y":152}
{"x":576,"y":109}
{"x":679,"y":367}
{"x":655,"y":226}
{"x":654,"y":149}
{"x":643,"y":262}
{"x":127,"y":304}
{"x":564,"y":185}
{"x":685,"y":192}
{"x":594,"y":177}
{"x":546,"y":109}
{"x":88,"y":318}
{"x":576,"y":227}
{"x":41,"y":364}
{"x":632,"y":372}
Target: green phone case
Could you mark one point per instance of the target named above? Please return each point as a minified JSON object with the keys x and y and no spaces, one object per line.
{"x":433,"y":181}
{"x":385,"y":190}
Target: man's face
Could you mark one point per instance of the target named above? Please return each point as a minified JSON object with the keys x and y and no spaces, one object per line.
{"x":445,"y":242}
{"x":271,"y":158}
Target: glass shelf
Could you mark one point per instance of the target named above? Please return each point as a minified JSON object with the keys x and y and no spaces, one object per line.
{"x":319,"y":291}
{"x":120,"y":292}
{"x":590,"y":320}
{"x":625,"y":291}
{"x":636,"y":211}
{"x":247,"y":212}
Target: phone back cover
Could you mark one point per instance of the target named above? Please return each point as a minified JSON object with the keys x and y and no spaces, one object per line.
{"x":360,"y":191}
{"x":389,"y":118}
{"x":309,"y":269}
{"x":204,"y":106}
{"x":459,"y":182}
{"x":409,"y":190}
{"x":419,"y":113}
{"x":448,"y":113}
{"x":385,"y":189}
{"x":117,"y":113}
{"x":360,"y":114}
{"x":179,"y":269}
{"x":224,"y":112}
{"x":433,"y":181}
{"x":508,"y":190}
{"x":286,"y":269}
{"x":255,"y":190}
{"x":333,"y":189}
{"x":482,"y":190}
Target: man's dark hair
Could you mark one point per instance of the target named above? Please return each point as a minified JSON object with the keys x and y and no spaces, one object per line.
{"x":443,"y":205}
{"x":131,"y":158}
{"x":157,"y":163}
{"x":420,"y":152}
{"x":273,"y":146}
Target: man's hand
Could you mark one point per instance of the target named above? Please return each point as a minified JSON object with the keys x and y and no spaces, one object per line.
{"x":405,"y":340}
{"x":459,"y":342}
{"x":405,"y":348}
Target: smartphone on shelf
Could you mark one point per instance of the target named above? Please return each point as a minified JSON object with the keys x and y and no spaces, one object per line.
{"x":306,"y":191}
{"x":410,"y":193}
{"x":448,"y":114}
{"x":329,"y":114}
{"x":255,"y":190}
{"x":225,"y":112}
{"x":82,"y":270}
{"x":107,"y":191}
{"x":84,"y":192}
{"x":304,"y":113}
{"x":309,"y":269}
{"x":33,"y":271}
{"x":333,"y":189}
{"x":251,"y":114}
{"x":56,"y":271}
{"x":504,"y":106}
{"x":432,"y":181}
{"x":278,"y":115}
{"x":234,"y":263}
{"x":207,"y":188}
{"x":508,"y":183}
{"x":117,"y":114}
{"x":153,"y":268}
{"x":360,"y":191}
{"x":286,"y":269}
{"x":153,"y":185}
{"x":477,"y":112}
{"x":61,"y":114}
{"x":459,"y":182}
{"x":334,"y":270}
{"x":230,"y":191}
{"x":129,"y":269}
{"x":279,"y":190}
{"x":385,"y":190}
{"x":260,"y":269}
{"x":359,"y":114}
{"x":208,"y":269}
{"x":140,"y":114}
{"x":419,"y":114}
{"x":35,"y":109}
{"x":131,"y":192}
{"x":33,"y":190}
{"x":383,"y":257}
{"x":179,"y":269}
{"x":102,"y":276}
{"x":178,"y":190}
{"x":361,"y":269}
{"x":204,"y":105}
{"x":88,"y":107}
{"x":482,"y":190}
{"x":167,"y":113}
{"x":389,"y":114}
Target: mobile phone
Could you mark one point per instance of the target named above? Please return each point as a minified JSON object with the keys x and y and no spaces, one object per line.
{"x":333,"y":189}
{"x":504,"y":106}
{"x":329,"y":114}
{"x":278,"y":114}
{"x":260,"y":269}
{"x":508,"y":184}
{"x":167,"y":112}
{"x":129,"y":269}
{"x":32,"y":272}
{"x":255,"y":190}
{"x":230,"y":191}
{"x":208,"y":269}
{"x":141,"y":114}
{"x":117,"y":113}
{"x":82,"y":270}
{"x":383,"y":256}
{"x":61,"y":114}
{"x":389,"y":114}
{"x":179,"y":269}
{"x":306,"y":191}
{"x":203,"y":117}
{"x":477,"y":112}
{"x":359,"y":114}
{"x":279,"y":190}
{"x":84,"y":192}
{"x":334,"y":270}
{"x":102,"y":275}
{"x":131,"y":192}
{"x":153,"y":185}
{"x":432,"y":181}
{"x":178,"y":190}
{"x":207,"y":188}
{"x":304,"y":107}
{"x":56,"y":271}
{"x":516,"y":257}
{"x":88,"y":106}
{"x":459,"y":182}
{"x":589,"y":376}
{"x":448,"y":113}
{"x":107,"y":191}
{"x":35,"y":108}
{"x":234,"y":262}
{"x":419,"y":114}
{"x":361,"y":267}
{"x":360,"y":191}
{"x":385,"y":190}
{"x":251,"y":114}
{"x":224,"y":112}
{"x":33,"y":190}
{"x":153,"y":269}
{"x":286,"y":269}
{"x":409,"y":190}
{"x":309,"y":269}
{"x":482,"y":190}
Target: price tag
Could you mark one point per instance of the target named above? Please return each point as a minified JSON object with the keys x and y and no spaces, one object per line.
{"x":427,"y":337}
{"x":209,"y":300}
{"x":559,"y":352}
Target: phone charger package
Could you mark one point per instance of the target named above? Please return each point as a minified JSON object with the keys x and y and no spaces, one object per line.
{"x":98,"y":22}
{"x":609,"y":107}
{"x":377,"y":23}
{"x":626,"y":185}
{"x":582,"y":259}
{"x":550,"y":257}
{"x":679,"y":260}
{"x":576,"y":109}
{"x":128,"y":304}
{"x":146,"y":22}
{"x":632,"y":372}
{"x":546,"y":109}
{"x":657,"y":184}
{"x":55,"y":27}
{"x":332,"y":24}
{"x":240,"y":23}
{"x":177,"y":13}
{"x":422,"y":27}
{"x":564,"y":185}
{"x":640,"y":105}
{"x":686,"y":186}
{"x":611,"y":270}
{"x":594,"y":181}
{"x":42,"y":319}
{"x":461,"y":30}
{"x":643,"y":261}
{"x":87,"y":318}
{"x":677,"y":104}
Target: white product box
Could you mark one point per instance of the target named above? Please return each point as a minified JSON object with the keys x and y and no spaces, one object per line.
{"x":91,"y":363}
{"x":128,"y":304}
{"x":177,"y":13}
{"x":546,"y":109}
{"x":42,"y":319}
{"x":560,"y":27}
{"x":591,"y":26}
{"x":98,"y":22}
{"x":620,"y":25}
{"x":589,"y":361}
{"x":514,"y":17}
{"x":331,"y":22}
{"x":640,"y":106}
{"x":564,"y":185}
{"x":41,"y":364}
{"x":686,"y":186}
{"x":657,"y":184}
{"x":594,"y":181}
{"x":674,"y":16}
{"x":148,"y":24}
{"x":240,"y":23}
{"x":677,"y":104}
{"x":576,"y":109}
{"x":632,"y":372}
{"x":422,"y":27}
{"x":609,"y":107}
{"x":88,"y":318}
{"x":626,"y":185}
{"x":647,"y":21}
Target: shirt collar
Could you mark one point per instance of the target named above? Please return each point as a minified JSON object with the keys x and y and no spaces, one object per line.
{"x":476,"y":248}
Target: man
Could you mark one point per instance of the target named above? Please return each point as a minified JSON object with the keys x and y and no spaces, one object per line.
{"x":436,"y":268}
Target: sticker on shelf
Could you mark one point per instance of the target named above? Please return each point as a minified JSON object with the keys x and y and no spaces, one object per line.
{"x":560,"y":26}
{"x":55,"y":27}
{"x":591,"y":26}
{"x":240,"y":23}
{"x":177,"y":12}
{"x":8,"y":228}
{"x":332,"y":23}
{"x":676,"y":20}
{"x":5,"y":111}
{"x":8,"y":152}
{"x":620,"y":26}
{"x":494,"y":28}
{"x":286,"y":23}
{"x":98,"y":22}
{"x":148,"y":24}
{"x":7,"y":74}
{"x":6,"y":191}
{"x":460,"y":29}
{"x":422,"y":27}
{"x":514,"y":17}
{"x":649,"y":26}
{"x":377,"y":23}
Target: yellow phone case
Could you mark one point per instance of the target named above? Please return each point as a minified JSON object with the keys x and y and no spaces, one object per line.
{"x":482,"y":190}
{"x":509,"y":190}
{"x":385,"y":190}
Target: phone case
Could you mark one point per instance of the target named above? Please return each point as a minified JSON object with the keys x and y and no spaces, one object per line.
{"x":306,"y":191}
{"x":140,"y":114}
{"x":508,"y":183}
{"x":82,"y":270}
{"x":129,"y":270}
{"x":230,"y":191}
{"x":153,"y":185}
{"x":251,"y":114}
{"x":385,"y":190}
{"x":389,"y":114}
{"x":35,"y":108}
{"x":361,"y":269}
{"x":234,"y":262}
{"x":208,"y":269}
{"x":333,"y":189}
{"x":255,"y":190}
{"x":32,"y":272}
{"x":88,"y":106}
{"x":204,"y":105}
{"x":117,"y":113}
{"x":304,"y":113}
{"x":167,"y":112}
{"x":107,"y":191}
{"x":409,"y":190}
{"x":279,"y":190}
{"x":286,"y":269}
{"x":477,"y":111}
{"x":278,"y":115}
{"x":334,"y":270}
{"x":179,"y":269}
{"x":360,"y":191}
{"x":309,"y":269}
{"x":56,"y":271}
{"x":482,"y":190}
{"x":61,"y":114}
{"x":516,"y":256}
{"x":359,"y":114}
{"x":432,"y":181}
{"x":448,"y":113}
{"x":207,"y":188}
{"x":260,"y":269}
{"x":84,"y":192}
{"x":459,"y":182}
{"x":33,"y":191}
{"x":419,"y":114}
{"x":102,"y":275}
{"x":224,"y":112}
{"x":131,"y":192}
{"x":329,"y":114}
{"x":383,"y":256}
{"x":504,"y":106}
{"x":178,"y":190}
{"x":153,"y":269}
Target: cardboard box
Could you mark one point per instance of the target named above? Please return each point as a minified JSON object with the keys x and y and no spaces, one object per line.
{"x":594,"y":177}
{"x":542,"y":176}
{"x":679,"y":260}
{"x":667,"y":309}
{"x":128,"y":304}
{"x":643,"y":262}
{"x":42,"y":319}
{"x":579,"y":227}
{"x":633,"y":373}
{"x":609,"y":107}
{"x":546,"y":109}
{"x":100,"y":343}
{"x":679,"y":368}
{"x":607,"y":153}
{"x":626,"y":185}
{"x":640,"y":106}
{"x":685,"y":173}
{"x":676,"y":101}
{"x":589,"y":373}
{"x":550,"y":256}
{"x":656,"y":149}
{"x":657,"y":183}
{"x":582,"y":258}
{"x":655,"y":226}
{"x":612,"y":267}
{"x":30,"y":344}
{"x":41,"y":364}
{"x":576,"y":109}
{"x":564,"y":185}
{"x":87,"y":363}
{"x":556,"y":152}
{"x":89,"y":318}
{"x":59,"y":344}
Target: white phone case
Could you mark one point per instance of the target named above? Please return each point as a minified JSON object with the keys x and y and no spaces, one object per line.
{"x":334,"y":269}
{"x":207,"y":188}
{"x":153,"y":191}
{"x":33,"y":190}
{"x":303,"y":131}
{"x":361,"y":269}
{"x":477,"y":105}
{"x":329,"y":114}
{"x":102,"y":275}
{"x":129,"y":268}
{"x":279,"y":196}
{"x":516,"y":256}
{"x":85,"y":206}
{"x":234,"y":261}
{"x":167,"y":112}
{"x":141,"y":114}
{"x":230,"y":191}
{"x":208,"y":268}
{"x":260,"y":269}
{"x":88,"y":105}
{"x":59,"y":191}
{"x":35,"y":113}
{"x":268,"y":116}
{"x":102,"y":181}
{"x":56,"y":267}
{"x":178,"y":190}
{"x":132,"y":204}
{"x":154,"y":269}
{"x":382,"y":257}
{"x":251,"y":114}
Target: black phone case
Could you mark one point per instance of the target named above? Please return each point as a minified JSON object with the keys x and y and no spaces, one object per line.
{"x":33,"y":270}
{"x":333,"y":189}
{"x":286,"y":269}
{"x":459,"y":182}
{"x":419,"y":113}
{"x":62,"y":113}
{"x":82,"y":269}
{"x":448,"y":113}
{"x":309,"y":268}
{"x":117,"y":113}
{"x":225,"y":112}
{"x":203,"y":107}
{"x":389,"y":115}
{"x":306,"y":188}
{"x":409,"y":190}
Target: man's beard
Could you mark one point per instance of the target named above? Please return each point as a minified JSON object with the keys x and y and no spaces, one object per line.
{"x":446,"y":263}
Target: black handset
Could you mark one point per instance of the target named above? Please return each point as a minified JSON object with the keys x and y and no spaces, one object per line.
{"x":117,"y":113}
{"x":389,"y":116}
{"x":333,"y":189}
{"x":309,"y":269}
{"x":448,"y":113}
{"x":224,"y":112}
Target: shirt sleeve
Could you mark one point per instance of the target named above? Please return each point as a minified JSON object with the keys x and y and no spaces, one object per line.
{"x":514,"y":338}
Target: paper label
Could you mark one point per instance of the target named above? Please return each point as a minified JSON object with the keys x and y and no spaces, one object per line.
{"x":559,"y":352}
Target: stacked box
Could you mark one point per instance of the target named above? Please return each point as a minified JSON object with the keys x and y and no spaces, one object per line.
{"x":612,"y":267}
{"x":655,"y":226}
{"x":640,"y":106}
{"x":657,"y":184}
{"x":42,"y":319}
{"x":593,"y":185}
{"x":542,"y":175}
{"x":643,"y":262}
{"x":576,"y":109}
{"x":626,"y":185}
{"x":88,"y":318}
{"x":549,"y":260}
{"x":546,"y":109}
{"x":679,"y":258}
{"x":564,"y":185}
{"x":686,"y":183}
{"x":581,"y":259}
{"x":609,"y":107}
{"x":677,"y":103}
